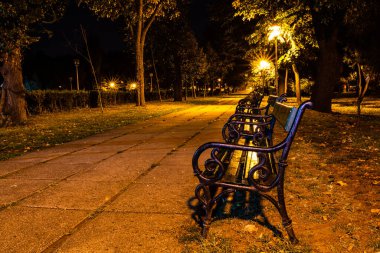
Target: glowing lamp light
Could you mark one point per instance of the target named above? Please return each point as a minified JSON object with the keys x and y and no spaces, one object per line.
{"x":112,"y":84}
{"x":274,"y":32}
{"x":133,"y":86}
{"x":264,"y":64}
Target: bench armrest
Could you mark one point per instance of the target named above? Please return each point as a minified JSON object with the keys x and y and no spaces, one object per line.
{"x":214,"y":169}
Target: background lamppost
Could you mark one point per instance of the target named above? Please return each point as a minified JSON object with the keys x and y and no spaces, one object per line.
{"x":151,"y":82}
{"x":275,"y":32}
{"x":71,"y":82}
{"x":76,"y":63}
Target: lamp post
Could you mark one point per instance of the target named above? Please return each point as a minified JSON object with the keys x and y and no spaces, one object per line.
{"x":71,"y":82}
{"x":275,"y":32}
{"x":76,"y":64}
{"x":151,"y":82}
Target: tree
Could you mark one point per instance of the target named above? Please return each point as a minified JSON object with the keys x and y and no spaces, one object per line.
{"x":295,"y":39}
{"x":138,"y":16}
{"x":225,"y":37}
{"x":328,"y":21}
{"x":20,"y":25}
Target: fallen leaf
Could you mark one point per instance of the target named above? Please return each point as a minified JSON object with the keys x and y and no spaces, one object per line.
{"x":327,"y":193}
{"x":350,"y":247}
{"x":377,"y":211}
{"x":324,"y":217}
{"x":250,"y":228}
{"x":376,"y":182}
{"x":341,"y":183}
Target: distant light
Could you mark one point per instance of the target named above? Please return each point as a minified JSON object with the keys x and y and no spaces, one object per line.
{"x":133,"y":86}
{"x":112,"y":84}
{"x":219,"y":79}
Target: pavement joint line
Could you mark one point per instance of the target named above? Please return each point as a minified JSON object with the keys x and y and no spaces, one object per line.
{"x":56,"y":244}
{"x":105,"y":211}
{"x":69,"y":153}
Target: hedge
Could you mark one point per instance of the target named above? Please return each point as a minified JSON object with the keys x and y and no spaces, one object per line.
{"x":40,"y":101}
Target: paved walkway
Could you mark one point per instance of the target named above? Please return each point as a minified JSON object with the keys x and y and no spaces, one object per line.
{"x":126,"y":190}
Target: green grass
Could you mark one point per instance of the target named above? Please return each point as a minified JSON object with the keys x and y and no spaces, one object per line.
{"x":52,"y":129}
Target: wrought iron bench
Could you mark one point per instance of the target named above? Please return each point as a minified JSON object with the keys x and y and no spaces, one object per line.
{"x":222,"y":174}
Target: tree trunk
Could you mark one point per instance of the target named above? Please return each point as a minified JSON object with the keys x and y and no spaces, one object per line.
{"x":139,"y":51}
{"x":286,"y":81}
{"x":178,"y":79}
{"x":297,"y":84}
{"x":328,"y":68}
{"x":361,"y":90}
{"x":155,"y":73}
{"x":193,"y":88}
{"x":13,"y":104}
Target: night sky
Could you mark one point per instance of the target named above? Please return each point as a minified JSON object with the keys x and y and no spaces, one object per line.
{"x":49,"y":62}
{"x":108,"y":33}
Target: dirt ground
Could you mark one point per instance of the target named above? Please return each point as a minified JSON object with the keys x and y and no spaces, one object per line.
{"x":332,"y":192}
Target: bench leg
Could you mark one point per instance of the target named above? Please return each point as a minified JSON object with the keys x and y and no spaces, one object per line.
{"x":207,"y":205}
{"x":286,"y":221}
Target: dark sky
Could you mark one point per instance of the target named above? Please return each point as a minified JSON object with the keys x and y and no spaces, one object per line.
{"x":109,"y":34}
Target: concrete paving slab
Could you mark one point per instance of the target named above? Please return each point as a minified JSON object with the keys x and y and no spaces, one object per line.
{"x":105,"y":148}
{"x":158,"y":198}
{"x":171,"y":174}
{"x":9,"y":166}
{"x":113,"y":169}
{"x":33,"y":229}
{"x":75,"y":158}
{"x":12,"y":190}
{"x":124,"y":232}
{"x":83,"y":195}
{"x":47,"y":171}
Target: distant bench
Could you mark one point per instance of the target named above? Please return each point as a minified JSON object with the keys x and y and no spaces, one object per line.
{"x":250,"y":164}
{"x":253,"y":100}
{"x":241,"y":124}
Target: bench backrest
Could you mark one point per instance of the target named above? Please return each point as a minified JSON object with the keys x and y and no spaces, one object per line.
{"x":284,"y":115}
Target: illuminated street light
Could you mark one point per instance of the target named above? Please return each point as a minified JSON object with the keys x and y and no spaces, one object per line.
{"x":263,"y":66}
{"x":112,"y":85}
{"x":274,"y":33}
{"x":133,"y":86}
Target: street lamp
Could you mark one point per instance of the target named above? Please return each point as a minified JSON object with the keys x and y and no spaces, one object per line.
{"x":151,"y":82}
{"x":263,"y":66}
{"x":71,"y":82}
{"x":274,"y":33}
{"x":76,"y":63}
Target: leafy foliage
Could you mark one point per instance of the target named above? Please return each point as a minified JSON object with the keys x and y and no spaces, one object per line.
{"x":22,"y":21}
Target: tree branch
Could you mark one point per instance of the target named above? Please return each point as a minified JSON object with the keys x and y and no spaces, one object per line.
{"x":150,"y":20}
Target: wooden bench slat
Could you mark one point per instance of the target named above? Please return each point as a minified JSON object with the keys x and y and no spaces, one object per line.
{"x":285,"y":115}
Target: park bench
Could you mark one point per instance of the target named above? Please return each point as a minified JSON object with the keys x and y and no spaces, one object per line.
{"x":253,"y":100}
{"x":229,"y":169}
{"x":246,"y":124}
